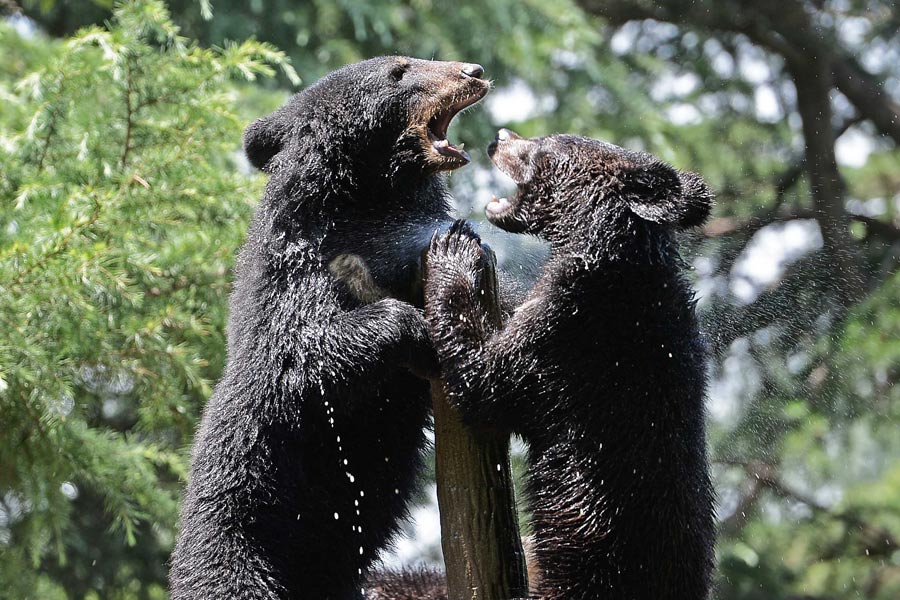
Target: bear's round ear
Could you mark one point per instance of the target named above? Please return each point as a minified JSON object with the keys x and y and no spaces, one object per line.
{"x":659,"y":193}
{"x":263,"y":139}
{"x":696,"y":200}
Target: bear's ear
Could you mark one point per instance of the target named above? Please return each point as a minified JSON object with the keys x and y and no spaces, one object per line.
{"x":696,"y":200}
{"x":263,"y":139}
{"x":659,"y":193}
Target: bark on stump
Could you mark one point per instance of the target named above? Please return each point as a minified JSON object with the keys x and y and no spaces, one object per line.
{"x":483,"y":553}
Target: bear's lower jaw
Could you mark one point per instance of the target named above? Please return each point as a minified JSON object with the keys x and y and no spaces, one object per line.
{"x":445,"y":148}
{"x":498,"y":208}
{"x":501,"y":212}
{"x":441,"y":155}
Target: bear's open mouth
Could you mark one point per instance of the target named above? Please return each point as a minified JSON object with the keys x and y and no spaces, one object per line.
{"x":439,"y":123}
{"x":513,"y":156}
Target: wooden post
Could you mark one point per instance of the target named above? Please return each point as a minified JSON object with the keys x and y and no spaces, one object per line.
{"x":483,"y":553}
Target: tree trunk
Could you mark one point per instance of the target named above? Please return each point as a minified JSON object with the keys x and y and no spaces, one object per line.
{"x":479,"y":527}
{"x":813,"y":82}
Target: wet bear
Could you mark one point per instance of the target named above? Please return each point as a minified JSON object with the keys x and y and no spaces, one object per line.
{"x":601,"y":369}
{"x":311,"y":444}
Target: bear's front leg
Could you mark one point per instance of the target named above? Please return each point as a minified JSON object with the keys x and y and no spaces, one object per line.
{"x":453,"y":268}
{"x":459,"y":326}
{"x":484,"y":370}
{"x":385,"y":331}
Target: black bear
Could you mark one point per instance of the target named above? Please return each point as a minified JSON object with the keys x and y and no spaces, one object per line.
{"x":311,"y":444}
{"x":601,"y":369}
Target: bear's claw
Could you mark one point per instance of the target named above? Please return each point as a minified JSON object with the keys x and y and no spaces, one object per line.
{"x":459,"y":246}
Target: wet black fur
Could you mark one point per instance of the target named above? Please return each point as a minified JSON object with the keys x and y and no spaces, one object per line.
{"x":310,"y":446}
{"x":601,"y":369}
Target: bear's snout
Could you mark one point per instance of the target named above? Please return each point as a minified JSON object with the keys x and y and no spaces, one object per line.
{"x":512,"y":154}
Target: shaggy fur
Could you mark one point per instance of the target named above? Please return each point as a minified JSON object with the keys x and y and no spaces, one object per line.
{"x":310,"y":446}
{"x":600,"y":370}
{"x":418,"y":583}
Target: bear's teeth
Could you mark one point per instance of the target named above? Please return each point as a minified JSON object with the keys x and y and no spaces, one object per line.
{"x":498,"y":206}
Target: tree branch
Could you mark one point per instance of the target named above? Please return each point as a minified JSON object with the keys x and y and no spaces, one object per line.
{"x":782,"y":27}
{"x":878,"y":228}
{"x":867,"y":96}
{"x":61,"y":247}
{"x":737,"y":520}
{"x":9,"y":7}
{"x":783,"y":182}
{"x":766,"y":475}
{"x":728,"y":226}
{"x":129,"y":114}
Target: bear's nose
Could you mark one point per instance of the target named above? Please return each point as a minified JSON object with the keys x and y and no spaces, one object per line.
{"x":505,"y":135}
{"x":473,"y":71}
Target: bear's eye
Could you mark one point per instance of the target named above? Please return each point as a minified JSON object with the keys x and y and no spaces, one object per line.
{"x":397,"y":72}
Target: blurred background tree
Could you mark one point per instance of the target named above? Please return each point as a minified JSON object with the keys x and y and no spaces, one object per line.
{"x":124,"y":198}
{"x":122,"y":210}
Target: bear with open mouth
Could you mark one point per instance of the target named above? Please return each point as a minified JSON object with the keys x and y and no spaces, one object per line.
{"x":601,"y":369}
{"x":311,"y":445}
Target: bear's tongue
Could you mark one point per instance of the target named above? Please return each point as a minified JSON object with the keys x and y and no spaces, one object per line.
{"x":445,"y":148}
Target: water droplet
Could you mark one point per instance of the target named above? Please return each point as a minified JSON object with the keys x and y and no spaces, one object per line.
{"x":61,"y":405}
{"x":69,"y":490}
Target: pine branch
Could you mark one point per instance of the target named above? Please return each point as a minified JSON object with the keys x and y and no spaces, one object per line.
{"x":129,"y":113}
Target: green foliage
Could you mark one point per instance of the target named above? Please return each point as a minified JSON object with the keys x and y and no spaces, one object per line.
{"x":123,"y":208}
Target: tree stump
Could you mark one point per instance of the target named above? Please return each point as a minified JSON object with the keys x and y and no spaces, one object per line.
{"x":483,"y":553}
